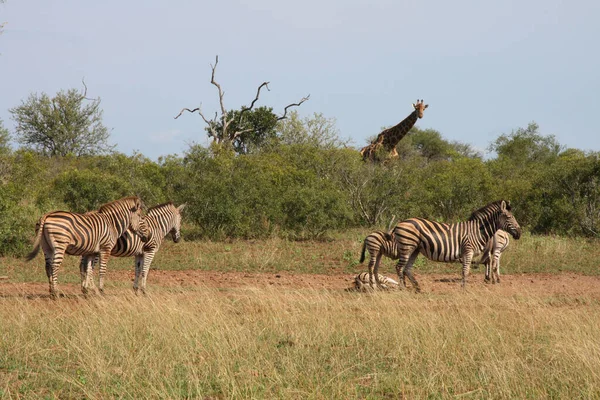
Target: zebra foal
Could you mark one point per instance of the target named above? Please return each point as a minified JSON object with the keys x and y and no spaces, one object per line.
{"x":378,"y":244}
{"x":96,"y":232}
{"x":363,"y":282}
{"x":451,"y":242}
{"x":491,"y":256}
{"x":160,"y":220}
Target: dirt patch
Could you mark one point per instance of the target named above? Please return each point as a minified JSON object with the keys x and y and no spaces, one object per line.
{"x":568,"y":284}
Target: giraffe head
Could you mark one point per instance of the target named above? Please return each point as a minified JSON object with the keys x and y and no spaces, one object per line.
{"x":420,"y":107}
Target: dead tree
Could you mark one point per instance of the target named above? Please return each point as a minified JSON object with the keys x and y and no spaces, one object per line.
{"x":218,"y":126}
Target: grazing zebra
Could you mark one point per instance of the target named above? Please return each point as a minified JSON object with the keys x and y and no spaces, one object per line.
{"x":160,"y":221}
{"x":362,"y":282}
{"x":451,"y":242}
{"x":60,"y":232}
{"x":491,"y":255}
{"x":378,"y":243}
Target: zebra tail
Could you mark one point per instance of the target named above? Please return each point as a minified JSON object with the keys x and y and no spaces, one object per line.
{"x":39,"y":228}
{"x":362,"y":254}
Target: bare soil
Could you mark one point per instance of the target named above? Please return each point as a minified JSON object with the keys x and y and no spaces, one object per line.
{"x":565,"y":284}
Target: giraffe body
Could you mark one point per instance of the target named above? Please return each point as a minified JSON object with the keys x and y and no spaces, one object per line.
{"x":388,"y":139}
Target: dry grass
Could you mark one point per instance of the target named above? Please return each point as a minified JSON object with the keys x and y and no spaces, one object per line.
{"x":281,"y":343}
{"x":251,"y":343}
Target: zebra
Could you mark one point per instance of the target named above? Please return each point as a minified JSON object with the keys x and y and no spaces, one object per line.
{"x":451,"y":242}
{"x":378,"y":243}
{"x":362,"y":282}
{"x":491,"y":256}
{"x":160,"y":220}
{"x":95,"y":232}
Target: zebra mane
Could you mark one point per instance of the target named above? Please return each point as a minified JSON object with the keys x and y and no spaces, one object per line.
{"x":131,"y":200}
{"x":488,"y":209}
{"x":156,"y":207}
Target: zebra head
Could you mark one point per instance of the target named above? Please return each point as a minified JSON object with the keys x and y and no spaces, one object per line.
{"x":137,"y":223}
{"x":176,"y":231}
{"x":507,"y":221}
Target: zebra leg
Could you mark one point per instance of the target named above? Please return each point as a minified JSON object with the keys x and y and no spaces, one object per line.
{"x":103,"y":260}
{"x":148,"y":257}
{"x":139,"y":262}
{"x":401,"y":265}
{"x":376,"y":270}
{"x":372,"y":264}
{"x":48,"y":261}
{"x":496,"y":269}
{"x":466,"y":268}
{"x":83,"y":270}
{"x":488,"y":271}
{"x":53,"y":262}
{"x":408,"y":270}
{"x":87,"y":272}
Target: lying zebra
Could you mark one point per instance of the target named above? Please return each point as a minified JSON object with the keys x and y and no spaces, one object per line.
{"x":361,"y":282}
{"x":380,"y":243}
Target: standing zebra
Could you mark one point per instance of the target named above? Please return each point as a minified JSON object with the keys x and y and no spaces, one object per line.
{"x":61,"y":232}
{"x":451,"y":242}
{"x":378,"y":243}
{"x":491,"y":255}
{"x":160,"y":221}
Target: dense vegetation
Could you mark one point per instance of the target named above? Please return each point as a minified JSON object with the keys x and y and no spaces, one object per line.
{"x":300,"y":180}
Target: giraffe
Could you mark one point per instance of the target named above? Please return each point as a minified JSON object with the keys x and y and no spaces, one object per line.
{"x":389,"y":138}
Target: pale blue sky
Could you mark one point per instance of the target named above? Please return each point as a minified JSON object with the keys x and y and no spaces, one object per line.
{"x":484,"y":67}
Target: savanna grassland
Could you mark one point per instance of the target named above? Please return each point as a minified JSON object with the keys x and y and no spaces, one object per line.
{"x":532,"y":336}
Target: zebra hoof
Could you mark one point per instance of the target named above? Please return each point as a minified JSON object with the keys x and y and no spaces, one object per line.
{"x":487,"y":281}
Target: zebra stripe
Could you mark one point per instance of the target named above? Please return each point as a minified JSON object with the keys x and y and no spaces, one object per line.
{"x":451,"y":242}
{"x":61,"y":232}
{"x":160,"y":220}
{"x":362,"y":282}
{"x":378,"y":244}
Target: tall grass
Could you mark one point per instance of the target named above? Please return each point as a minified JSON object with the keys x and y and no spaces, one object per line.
{"x":269,"y":343}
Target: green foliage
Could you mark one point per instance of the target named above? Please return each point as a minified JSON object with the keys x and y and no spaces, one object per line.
{"x":430,"y":145}
{"x":17,"y":222}
{"x":258,"y":195}
{"x":247,"y":130}
{"x":317,"y":131}
{"x":450,"y":191}
{"x":86,"y":190}
{"x":304,"y":183}
{"x":4,"y":139}
{"x":61,"y":125}
{"x":526,"y":146}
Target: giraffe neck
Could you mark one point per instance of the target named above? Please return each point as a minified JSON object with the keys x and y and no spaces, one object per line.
{"x":394,"y":134}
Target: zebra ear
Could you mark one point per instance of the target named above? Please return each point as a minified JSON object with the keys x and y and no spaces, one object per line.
{"x":504,"y":206}
{"x":508,"y":207}
{"x":181,"y":207}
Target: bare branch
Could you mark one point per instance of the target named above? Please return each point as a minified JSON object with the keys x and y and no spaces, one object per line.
{"x":292,"y":105}
{"x":84,"y":94}
{"x":212,"y":80}
{"x":264,"y":84}
{"x":188,"y":110}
